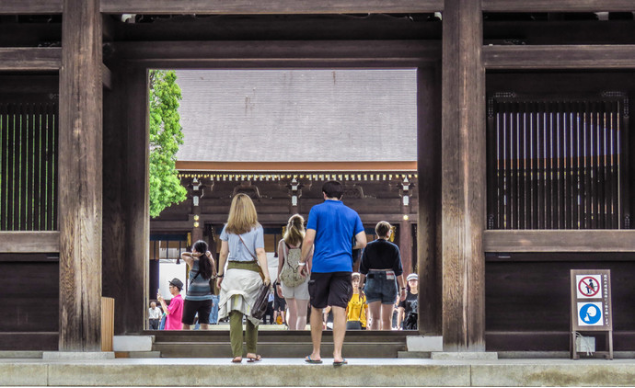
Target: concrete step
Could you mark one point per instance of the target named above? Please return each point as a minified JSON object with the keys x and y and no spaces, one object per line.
{"x":277,"y":344}
{"x":277,"y":349}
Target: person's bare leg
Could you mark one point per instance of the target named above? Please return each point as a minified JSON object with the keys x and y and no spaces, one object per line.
{"x":301,"y":306}
{"x":204,"y":326}
{"x":339,"y":331}
{"x":293,"y":314}
{"x":316,"y":332}
{"x":386,"y":317}
{"x":186,"y":327}
{"x":374,"y":308}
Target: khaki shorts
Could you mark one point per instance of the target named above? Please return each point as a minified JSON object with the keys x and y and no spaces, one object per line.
{"x":299,"y":292}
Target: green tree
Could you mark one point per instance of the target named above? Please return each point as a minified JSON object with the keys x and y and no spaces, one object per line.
{"x":165,"y":137}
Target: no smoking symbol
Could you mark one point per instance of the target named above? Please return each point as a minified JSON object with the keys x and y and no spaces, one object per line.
{"x":588,"y":286}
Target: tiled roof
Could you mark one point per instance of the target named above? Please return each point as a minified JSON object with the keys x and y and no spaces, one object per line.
{"x":298,"y":115}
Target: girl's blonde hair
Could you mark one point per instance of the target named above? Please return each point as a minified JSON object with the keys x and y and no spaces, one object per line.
{"x":242,"y":215}
{"x":295,"y":230}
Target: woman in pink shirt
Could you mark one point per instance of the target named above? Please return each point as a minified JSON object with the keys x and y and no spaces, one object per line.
{"x":175,"y":310}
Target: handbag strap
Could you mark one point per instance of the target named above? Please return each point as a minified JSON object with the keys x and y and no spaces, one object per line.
{"x":262,"y":275}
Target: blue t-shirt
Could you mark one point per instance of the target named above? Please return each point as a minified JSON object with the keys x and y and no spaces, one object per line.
{"x":237,"y":251}
{"x":336,"y":226}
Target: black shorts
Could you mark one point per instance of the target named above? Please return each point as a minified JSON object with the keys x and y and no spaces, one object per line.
{"x":330,"y":289}
{"x":279,"y":304}
{"x":191,"y":307}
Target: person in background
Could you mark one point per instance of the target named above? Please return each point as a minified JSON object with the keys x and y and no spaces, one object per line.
{"x":174,"y":312}
{"x":382,"y":270}
{"x":154,"y":316}
{"x":213,"y":315}
{"x":294,"y":288}
{"x":279,"y":309}
{"x":357,"y":309}
{"x":198,"y":299}
{"x":331,"y":228}
{"x":269,"y":311}
{"x":243,"y":250}
{"x":408,"y":308}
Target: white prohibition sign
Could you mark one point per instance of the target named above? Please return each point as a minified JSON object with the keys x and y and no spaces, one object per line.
{"x":589,"y":286}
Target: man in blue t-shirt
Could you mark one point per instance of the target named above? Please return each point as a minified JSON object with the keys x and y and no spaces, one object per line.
{"x":335,"y":230}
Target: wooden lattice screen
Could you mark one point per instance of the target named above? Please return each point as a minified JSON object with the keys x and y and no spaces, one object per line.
{"x":557,"y":163}
{"x":28,"y":165}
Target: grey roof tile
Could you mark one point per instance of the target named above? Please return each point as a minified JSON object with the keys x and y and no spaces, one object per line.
{"x":298,"y":115}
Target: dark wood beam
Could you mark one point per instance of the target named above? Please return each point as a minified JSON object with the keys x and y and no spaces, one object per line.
{"x":280,"y":28}
{"x":309,"y":167}
{"x":108,"y":28}
{"x":557,"y":6}
{"x":106,"y":77}
{"x":279,"y":53}
{"x":136,"y":192}
{"x":80,"y":177}
{"x":26,"y":7}
{"x":115,"y":213}
{"x":429,"y":214}
{"x":280,"y":7}
{"x":559,"y":240}
{"x":29,"y":242}
{"x":463,"y":177}
{"x":559,"y":57}
{"x":21,"y":59}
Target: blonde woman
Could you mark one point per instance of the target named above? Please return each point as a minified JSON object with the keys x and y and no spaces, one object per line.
{"x":243,"y":269}
{"x":293,"y":287}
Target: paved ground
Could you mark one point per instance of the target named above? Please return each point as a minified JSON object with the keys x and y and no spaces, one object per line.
{"x":294,"y":372}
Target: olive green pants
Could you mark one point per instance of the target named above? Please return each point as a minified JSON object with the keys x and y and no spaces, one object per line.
{"x":236,"y":334}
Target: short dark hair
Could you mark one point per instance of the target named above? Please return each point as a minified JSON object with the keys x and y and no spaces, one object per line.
{"x":382,"y":228}
{"x":333,"y":189}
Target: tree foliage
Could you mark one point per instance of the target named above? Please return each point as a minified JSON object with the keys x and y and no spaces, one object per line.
{"x":165,"y":137}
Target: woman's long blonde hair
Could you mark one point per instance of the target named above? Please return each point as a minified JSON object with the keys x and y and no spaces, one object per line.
{"x":242,"y":215}
{"x":295,"y":230}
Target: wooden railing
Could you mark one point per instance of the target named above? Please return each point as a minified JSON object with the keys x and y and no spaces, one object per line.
{"x":28,"y":164}
{"x":557,"y":163}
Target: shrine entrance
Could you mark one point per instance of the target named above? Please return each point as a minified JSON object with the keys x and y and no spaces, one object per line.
{"x":129,"y":64}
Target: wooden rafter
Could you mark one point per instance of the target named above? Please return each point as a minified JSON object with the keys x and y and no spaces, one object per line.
{"x":557,"y":6}
{"x":560,"y":57}
{"x":29,"y":242}
{"x":26,"y":7}
{"x":266,"y":52}
{"x":559,"y":241}
{"x":272,"y":167}
{"x":20,"y":59}
{"x":247,"y":7}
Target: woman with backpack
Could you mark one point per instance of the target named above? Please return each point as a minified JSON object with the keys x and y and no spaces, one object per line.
{"x":293,"y":287}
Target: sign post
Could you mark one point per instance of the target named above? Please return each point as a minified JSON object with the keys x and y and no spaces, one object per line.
{"x":591,"y":306}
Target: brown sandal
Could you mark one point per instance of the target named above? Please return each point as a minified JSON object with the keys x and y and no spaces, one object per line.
{"x":254,"y":359}
{"x":237,"y":360}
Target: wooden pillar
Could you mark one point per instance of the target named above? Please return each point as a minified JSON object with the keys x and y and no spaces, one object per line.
{"x":197,"y":234}
{"x":463,"y":177}
{"x":405,"y":245}
{"x":136,"y":201}
{"x":429,"y":188}
{"x":80,"y":177}
{"x":115,"y":221}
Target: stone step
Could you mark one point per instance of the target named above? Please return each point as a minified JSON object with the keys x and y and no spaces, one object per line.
{"x":277,"y":336}
{"x":277,"y":349}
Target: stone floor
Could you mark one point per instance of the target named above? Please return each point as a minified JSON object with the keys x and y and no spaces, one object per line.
{"x":294,"y":372}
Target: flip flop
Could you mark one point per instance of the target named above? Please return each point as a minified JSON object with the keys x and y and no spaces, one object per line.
{"x":237,"y":360}
{"x":254,"y":359}
{"x":340,"y":363}
{"x":309,"y":360}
